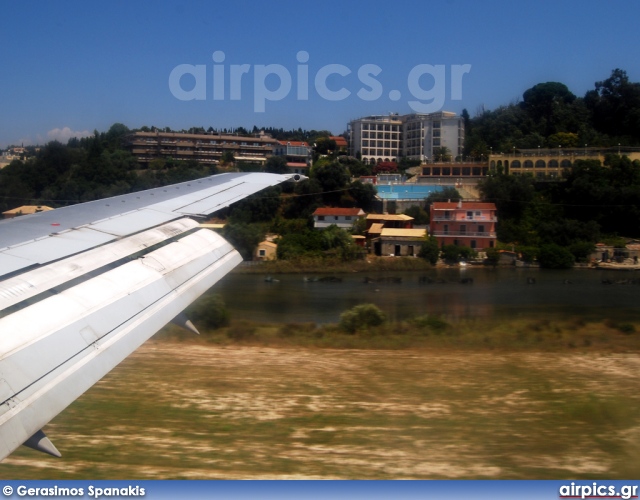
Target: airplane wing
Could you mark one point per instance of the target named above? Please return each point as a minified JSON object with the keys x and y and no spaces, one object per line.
{"x":82,"y":287}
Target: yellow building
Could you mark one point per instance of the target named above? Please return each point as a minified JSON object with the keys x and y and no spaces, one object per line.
{"x":25,"y":210}
{"x":544,"y":163}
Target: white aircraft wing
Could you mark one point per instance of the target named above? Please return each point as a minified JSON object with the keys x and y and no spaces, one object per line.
{"x":82,"y":287}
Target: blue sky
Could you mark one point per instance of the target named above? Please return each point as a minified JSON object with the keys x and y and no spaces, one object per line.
{"x":72,"y":67}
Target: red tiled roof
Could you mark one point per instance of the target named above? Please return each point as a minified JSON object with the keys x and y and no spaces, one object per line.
{"x":338,"y":211}
{"x":340,"y":141}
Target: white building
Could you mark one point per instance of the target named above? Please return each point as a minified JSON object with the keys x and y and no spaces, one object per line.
{"x":416,"y":136}
{"x":297,"y":153}
{"x":341,"y":217}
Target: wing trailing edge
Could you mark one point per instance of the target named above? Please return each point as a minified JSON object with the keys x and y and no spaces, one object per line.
{"x":70,"y":316}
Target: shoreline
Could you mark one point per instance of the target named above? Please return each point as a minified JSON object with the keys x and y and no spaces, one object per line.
{"x":387,"y":264}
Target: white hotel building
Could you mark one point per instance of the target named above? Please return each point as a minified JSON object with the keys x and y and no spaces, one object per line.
{"x":415,"y":136}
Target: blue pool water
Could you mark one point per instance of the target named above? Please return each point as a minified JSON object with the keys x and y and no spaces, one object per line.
{"x":406,"y":191}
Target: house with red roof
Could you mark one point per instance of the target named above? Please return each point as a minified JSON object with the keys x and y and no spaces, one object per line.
{"x":464,"y":223}
{"x":341,"y":142}
{"x":297,"y":153}
{"x":341,"y":217}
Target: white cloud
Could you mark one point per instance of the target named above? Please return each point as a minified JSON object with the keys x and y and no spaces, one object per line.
{"x":64,"y":134}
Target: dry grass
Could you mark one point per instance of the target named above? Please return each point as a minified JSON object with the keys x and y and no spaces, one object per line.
{"x":203,"y":410}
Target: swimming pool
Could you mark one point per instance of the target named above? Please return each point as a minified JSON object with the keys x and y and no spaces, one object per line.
{"x":406,"y":191}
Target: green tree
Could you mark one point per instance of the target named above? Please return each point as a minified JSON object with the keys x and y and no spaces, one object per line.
{"x":276,"y":165}
{"x":259,"y":207}
{"x":429,"y":250}
{"x":446,"y":193}
{"x":364,"y":195}
{"x":545,"y":104}
{"x":324,"y":146}
{"x":244,"y":237}
{"x":615,"y":107}
{"x":419,"y":214}
{"x":442,"y":154}
{"x":553,"y":256}
{"x":333,"y":179}
{"x":307,"y":196}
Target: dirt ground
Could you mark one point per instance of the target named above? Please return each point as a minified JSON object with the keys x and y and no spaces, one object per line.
{"x":178,"y":410}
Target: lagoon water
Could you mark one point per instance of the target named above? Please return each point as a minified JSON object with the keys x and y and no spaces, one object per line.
{"x":494,"y":293}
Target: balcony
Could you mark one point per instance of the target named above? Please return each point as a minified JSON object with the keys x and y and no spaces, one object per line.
{"x":465,"y":234}
{"x":464,"y":218}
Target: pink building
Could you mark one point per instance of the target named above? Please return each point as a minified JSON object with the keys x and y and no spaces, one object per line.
{"x":464,"y":223}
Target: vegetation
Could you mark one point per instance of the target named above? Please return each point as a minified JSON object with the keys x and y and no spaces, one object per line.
{"x":549,"y":115}
{"x":555,"y":257}
{"x":430,"y":251}
{"x":362,"y":317}
{"x":480,"y":399}
{"x":209,"y":312}
{"x":365,"y":326}
{"x":591,"y":203}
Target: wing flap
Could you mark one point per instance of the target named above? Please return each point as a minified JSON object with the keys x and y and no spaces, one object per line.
{"x":29,"y":284}
{"x":78,"y":308}
{"x":122,"y":318}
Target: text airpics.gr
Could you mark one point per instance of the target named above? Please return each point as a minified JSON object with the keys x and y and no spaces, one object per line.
{"x":425,"y":100}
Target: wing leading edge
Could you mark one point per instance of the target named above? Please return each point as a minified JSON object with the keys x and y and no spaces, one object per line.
{"x":71,"y":315}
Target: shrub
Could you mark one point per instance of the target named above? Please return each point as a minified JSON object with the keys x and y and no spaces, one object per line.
{"x":210,"y":312}
{"x":431,"y":322}
{"x":468,"y":253}
{"x":241,"y":330}
{"x":555,"y":257}
{"x":360,"y":317}
{"x":528,"y":254}
{"x":581,"y":250}
{"x":493,"y":255}
{"x":451,"y":253}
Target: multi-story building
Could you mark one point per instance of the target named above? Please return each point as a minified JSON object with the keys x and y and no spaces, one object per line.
{"x":376,"y":138}
{"x":204,"y":148}
{"x":417,"y":136}
{"x":470,"y":224}
{"x":297,"y":153}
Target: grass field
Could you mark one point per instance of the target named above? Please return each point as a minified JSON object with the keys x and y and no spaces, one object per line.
{"x":433,"y":407}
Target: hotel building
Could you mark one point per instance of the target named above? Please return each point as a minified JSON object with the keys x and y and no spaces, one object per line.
{"x":416,"y":136}
{"x":203,"y":148}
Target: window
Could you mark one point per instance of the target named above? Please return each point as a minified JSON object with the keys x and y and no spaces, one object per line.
{"x":473,"y":244}
{"x":347,"y":217}
{"x":320,"y":217}
{"x":481,"y":229}
{"x":335,"y":217}
{"x":262,"y":252}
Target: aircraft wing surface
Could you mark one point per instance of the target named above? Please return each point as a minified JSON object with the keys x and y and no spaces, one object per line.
{"x":82,"y":287}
